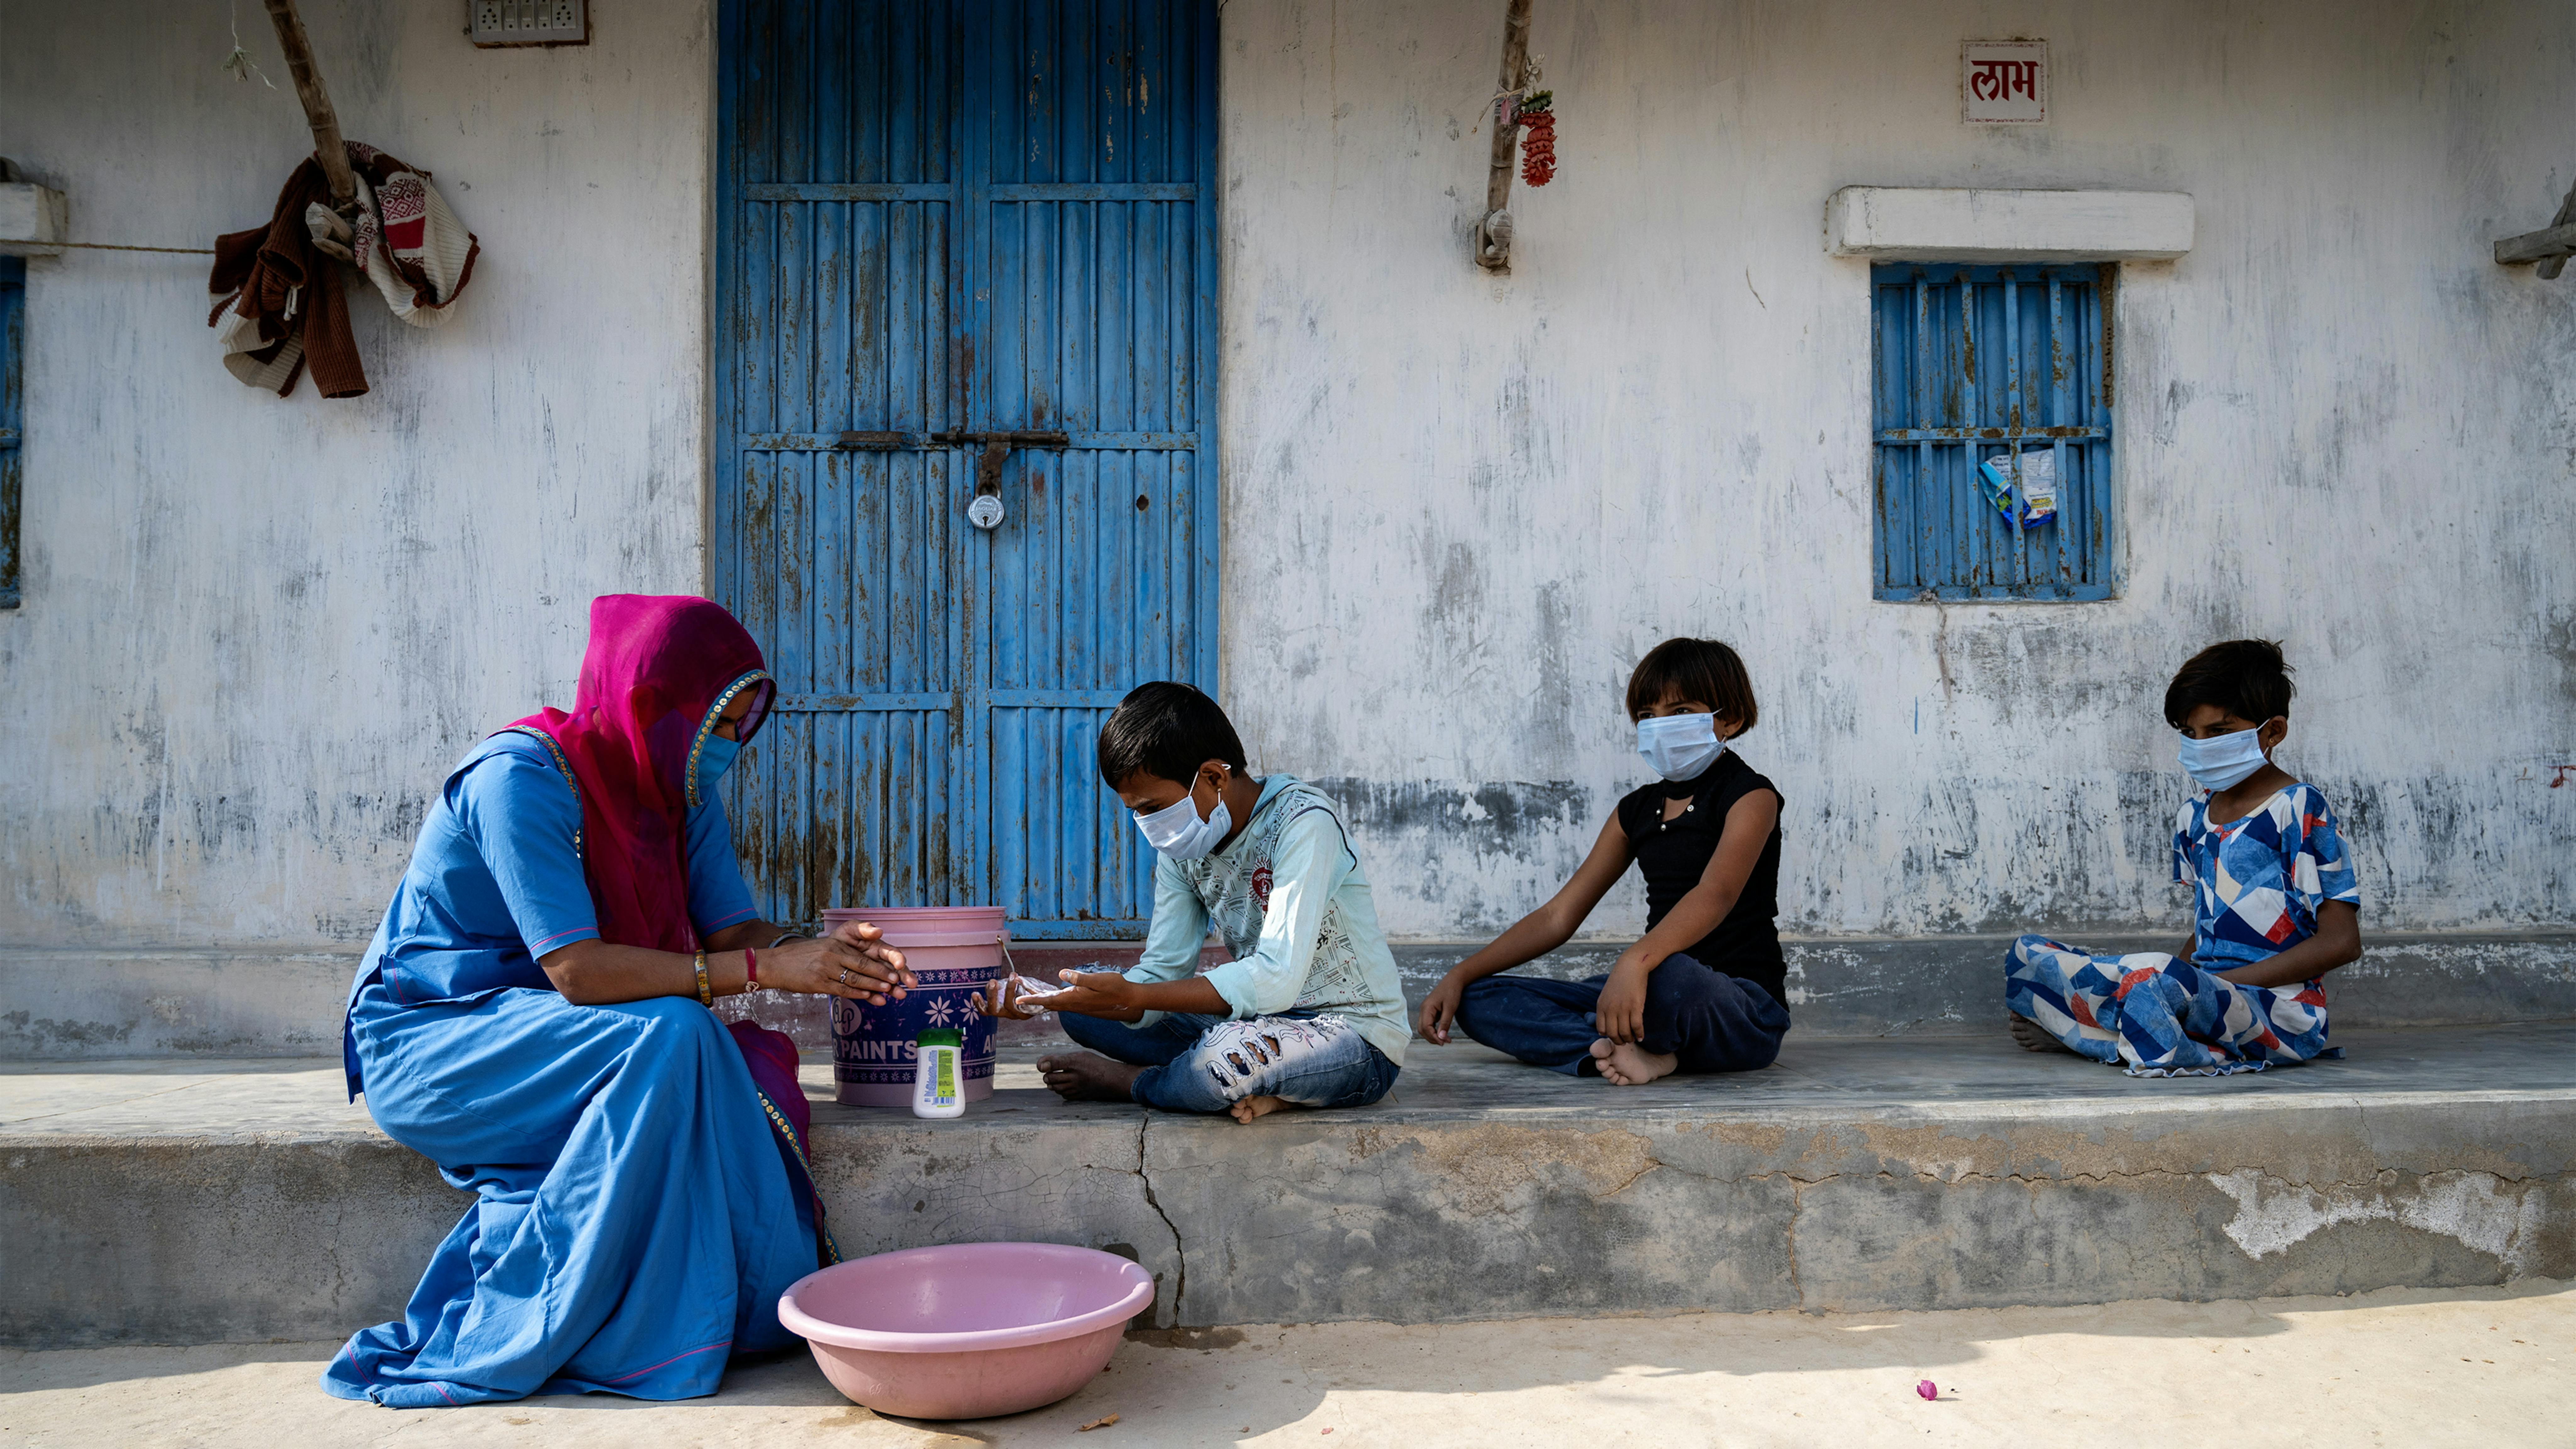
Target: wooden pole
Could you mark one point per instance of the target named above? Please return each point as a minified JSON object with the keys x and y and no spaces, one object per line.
{"x":1498,"y":184}
{"x":1494,"y":233}
{"x":327,"y":145}
{"x":2550,"y":268}
{"x":2547,"y":245}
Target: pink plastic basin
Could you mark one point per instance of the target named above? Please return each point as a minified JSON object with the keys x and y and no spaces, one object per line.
{"x":969,"y":1330}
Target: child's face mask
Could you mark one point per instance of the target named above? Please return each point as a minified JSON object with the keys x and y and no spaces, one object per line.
{"x":1679,"y":746}
{"x":1178,"y":832}
{"x":2224,"y":761}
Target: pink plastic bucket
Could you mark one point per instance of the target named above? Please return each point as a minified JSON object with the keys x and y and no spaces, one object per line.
{"x":953,"y":950}
{"x":969,"y":1330}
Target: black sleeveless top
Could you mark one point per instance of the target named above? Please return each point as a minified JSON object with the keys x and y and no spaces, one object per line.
{"x":1673,"y":854}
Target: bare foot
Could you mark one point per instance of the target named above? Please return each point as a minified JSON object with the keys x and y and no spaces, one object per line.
{"x":2026,"y":1032}
{"x":1087,"y":1077}
{"x":1627,"y":1064}
{"x":1251,"y":1107}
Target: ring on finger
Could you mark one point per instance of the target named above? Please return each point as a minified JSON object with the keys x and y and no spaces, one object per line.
{"x":845,"y":976}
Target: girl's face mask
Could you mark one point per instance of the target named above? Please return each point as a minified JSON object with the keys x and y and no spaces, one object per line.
{"x":2222,"y":762}
{"x":1679,"y":746}
{"x":1179,"y":833}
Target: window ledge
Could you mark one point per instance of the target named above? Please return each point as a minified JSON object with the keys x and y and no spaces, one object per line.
{"x":33,"y":220}
{"x":1895,"y":223}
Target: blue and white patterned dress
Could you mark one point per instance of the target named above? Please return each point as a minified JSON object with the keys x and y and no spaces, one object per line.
{"x":2258,"y":884}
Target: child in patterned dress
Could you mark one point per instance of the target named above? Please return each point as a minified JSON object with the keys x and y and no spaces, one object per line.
{"x":1309,"y":1013}
{"x":2275,"y":904}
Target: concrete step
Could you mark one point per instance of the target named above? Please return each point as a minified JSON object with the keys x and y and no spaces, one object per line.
{"x":202,"y":1201}
{"x":64,"y":1005}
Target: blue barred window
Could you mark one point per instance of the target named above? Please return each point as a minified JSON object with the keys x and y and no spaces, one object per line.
{"x":1970,"y":365}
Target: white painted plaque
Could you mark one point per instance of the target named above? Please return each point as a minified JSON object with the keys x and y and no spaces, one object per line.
{"x":2003,"y":82}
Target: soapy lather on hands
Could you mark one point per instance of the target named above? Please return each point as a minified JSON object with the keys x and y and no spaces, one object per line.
{"x":1018,"y":998}
{"x":1015,"y":997}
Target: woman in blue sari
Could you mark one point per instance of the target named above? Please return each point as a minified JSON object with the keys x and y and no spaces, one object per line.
{"x":533,"y":1017}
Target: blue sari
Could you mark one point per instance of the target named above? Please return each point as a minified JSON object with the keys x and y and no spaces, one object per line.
{"x":641,"y":1200}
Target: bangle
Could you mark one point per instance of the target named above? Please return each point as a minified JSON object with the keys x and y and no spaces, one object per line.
{"x":787,"y":936}
{"x":706,"y":993}
{"x":750,"y":970}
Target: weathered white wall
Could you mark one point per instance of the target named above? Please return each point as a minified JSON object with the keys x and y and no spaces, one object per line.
{"x":256,"y":631}
{"x":1459,"y":507}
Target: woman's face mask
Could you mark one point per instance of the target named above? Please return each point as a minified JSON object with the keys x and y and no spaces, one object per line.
{"x":732,"y":729}
{"x":1178,"y":831}
{"x":1679,"y":746}
{"x":2223,"y":761}
{"x":715,"y":756}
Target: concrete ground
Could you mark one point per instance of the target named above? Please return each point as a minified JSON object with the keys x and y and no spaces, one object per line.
{"x":2481,"y":1366}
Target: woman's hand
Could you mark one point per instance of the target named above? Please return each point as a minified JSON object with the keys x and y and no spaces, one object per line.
{"x":853,"y":961}
{"x":1621,"y":1014}
{"x":1440,"y":1008}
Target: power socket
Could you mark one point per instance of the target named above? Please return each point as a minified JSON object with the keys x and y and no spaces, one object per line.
{"x":496,"y":23}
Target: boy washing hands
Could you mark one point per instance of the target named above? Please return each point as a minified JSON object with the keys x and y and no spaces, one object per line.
{"x":1307,"y":1014}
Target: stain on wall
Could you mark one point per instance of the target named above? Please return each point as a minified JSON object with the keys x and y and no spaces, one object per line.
{"x":1481,"y":851}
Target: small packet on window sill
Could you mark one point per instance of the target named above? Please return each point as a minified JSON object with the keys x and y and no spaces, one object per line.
{"x":2035,"y":502}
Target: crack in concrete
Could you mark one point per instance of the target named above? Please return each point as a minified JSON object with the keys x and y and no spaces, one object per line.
{"x":1797,"y":1210}
{"x":1652,"y":1162}
{"x":1180,"y":1255}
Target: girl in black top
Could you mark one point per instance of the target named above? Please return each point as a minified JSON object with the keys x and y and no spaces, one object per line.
{"x":1702,"y":992}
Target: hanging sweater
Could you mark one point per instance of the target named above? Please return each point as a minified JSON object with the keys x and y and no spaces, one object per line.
{"x":288,"y":311}
{"x":281,"y":306}
{"x":1287,"y":896}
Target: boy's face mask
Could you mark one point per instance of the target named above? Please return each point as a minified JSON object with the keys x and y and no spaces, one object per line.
{"x":2224,"y":761}
{"x":1179,"y":833}
{"x":1679,"y":746}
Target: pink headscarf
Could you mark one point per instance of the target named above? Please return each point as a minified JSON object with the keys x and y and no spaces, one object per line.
{"x":659,"y":669}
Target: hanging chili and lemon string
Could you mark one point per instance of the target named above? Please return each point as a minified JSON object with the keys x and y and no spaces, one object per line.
{"x":1536,"y":116}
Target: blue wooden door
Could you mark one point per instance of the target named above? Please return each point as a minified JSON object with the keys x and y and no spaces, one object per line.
{"x":941,"y":223}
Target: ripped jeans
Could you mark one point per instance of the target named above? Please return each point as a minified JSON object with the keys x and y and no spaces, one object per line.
{"x":1209,"y":1063}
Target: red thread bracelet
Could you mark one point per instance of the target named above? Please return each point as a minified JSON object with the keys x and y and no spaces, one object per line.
{"x":750,"y":969}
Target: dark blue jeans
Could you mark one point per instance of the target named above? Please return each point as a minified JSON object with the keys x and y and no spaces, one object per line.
{"x":1209,"y":1063}
{"x":1712,"y":1021}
